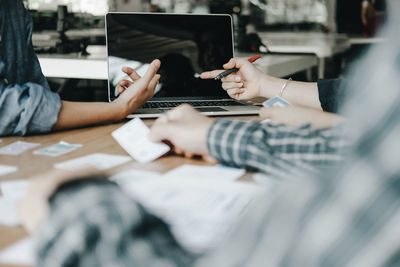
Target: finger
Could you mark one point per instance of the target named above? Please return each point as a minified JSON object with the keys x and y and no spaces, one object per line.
{"x":236,"y":91}
{"x":189,"y":155}
{"x":180,"y":111}
{"x":162,"y":131}
{"x":232,"y":78}
{"x":211,"y":74}
{"x":153,"y":82}
{"x":235,"y":63}
{"x":231,"y":64}
{"x":131,"y":73}
{"x":120,"y":90}
{"x":230,"y":85}
{"x":125,"y":83}
{"x":152,"y":70}
{"x":210,"y":159}
{"x":178,"y":151}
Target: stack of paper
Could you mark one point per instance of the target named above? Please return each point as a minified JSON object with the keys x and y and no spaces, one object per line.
{"x":200,"y":211}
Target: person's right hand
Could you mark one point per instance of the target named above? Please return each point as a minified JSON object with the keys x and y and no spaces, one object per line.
{"x":186,"y":129}
{"x":242,"y":85}
{"x":139,"y":91}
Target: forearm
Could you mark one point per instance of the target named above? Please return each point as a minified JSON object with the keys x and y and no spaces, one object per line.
{"x":271,"y":149}
{"x":297,"y":93}
{"x":77,"y":114}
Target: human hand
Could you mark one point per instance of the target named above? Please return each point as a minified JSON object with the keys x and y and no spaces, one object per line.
{"x":139,"y":90}
{"x":299,"y":116}
{"x":186,"y":129}
{"x":242,"y":85}
{"x":34,"y":207}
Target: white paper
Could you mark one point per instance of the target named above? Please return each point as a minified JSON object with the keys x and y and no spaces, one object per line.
{"x":7,"y":169}
{"x":133,"y":175}
{"x":211,"y":209}
{"x":17,"y":148}
{"x":14,"y":190}
{"x":99,"y":160}
{"x":218,"y":172}
{"x":9,"y":212}
{"x":133,"y":138}
{"x":19,"y":253}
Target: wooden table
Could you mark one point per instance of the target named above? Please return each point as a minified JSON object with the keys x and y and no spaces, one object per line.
{"x":94,"y":140}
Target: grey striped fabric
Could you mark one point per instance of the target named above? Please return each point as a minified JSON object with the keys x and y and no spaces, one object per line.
{"x":276,"y":150}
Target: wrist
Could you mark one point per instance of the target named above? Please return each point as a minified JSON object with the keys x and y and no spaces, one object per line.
{"x":118,"y":111}
{"x":270,"y":86}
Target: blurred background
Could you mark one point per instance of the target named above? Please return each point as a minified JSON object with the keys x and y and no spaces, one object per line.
{"x":302,"y":39}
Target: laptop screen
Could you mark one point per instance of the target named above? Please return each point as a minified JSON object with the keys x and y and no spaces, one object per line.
{"x":186,"y":45}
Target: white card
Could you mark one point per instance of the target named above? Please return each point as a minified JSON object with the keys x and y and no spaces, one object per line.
{"x":7,"y":169}
{"x":99,"y":161}
{"x":14,"y":190}
{"x":218,"y":172}
{"x":17,"y":148}
{"x":57,"y":149}
{"x":19,"y":253}
{"x":133,"y":138}
{"x":9,"y":212}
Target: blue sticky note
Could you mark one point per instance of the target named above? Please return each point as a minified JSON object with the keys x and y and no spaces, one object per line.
{"x":276,"y":101}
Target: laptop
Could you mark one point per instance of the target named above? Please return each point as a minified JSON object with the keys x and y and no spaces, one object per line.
{"x":187,"y":45}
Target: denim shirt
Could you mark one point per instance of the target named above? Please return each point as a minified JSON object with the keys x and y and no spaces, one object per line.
{"x":26,"y":103}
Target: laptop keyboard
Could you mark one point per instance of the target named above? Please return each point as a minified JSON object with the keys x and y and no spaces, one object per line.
{"x":171,"y":104}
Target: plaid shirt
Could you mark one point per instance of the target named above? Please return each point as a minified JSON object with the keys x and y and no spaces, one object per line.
{"x":346,"y":216}
{"x":277,"y":150}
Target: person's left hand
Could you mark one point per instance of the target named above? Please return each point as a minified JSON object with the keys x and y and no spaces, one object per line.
{"x":34,"y":207}
{"x":139,"y":90}
{"x":186,"y":129}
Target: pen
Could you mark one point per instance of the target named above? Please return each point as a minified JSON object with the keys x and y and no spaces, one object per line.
{"x":227,"y":72}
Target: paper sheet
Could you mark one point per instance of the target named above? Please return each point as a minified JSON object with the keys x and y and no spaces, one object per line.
{"x":218,"y":172}
{"x":9,"y":212}
{"x":211,"y":209}
{"x":99,"y":160}
{"x":133,"y":138}
{"x":14,"y":190}
{"x":19,"y":253}
{"x":17,"y":148}
{"x":7,"y":169}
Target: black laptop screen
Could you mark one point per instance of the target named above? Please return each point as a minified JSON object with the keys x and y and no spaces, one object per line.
{"x":186,"y":45}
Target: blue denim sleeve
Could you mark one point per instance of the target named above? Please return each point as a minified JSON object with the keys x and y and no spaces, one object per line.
{"x":26,"y":109}
{"x":27,"y":104}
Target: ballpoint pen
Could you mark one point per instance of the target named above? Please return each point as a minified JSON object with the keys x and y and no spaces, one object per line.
{"x":227,"y":72}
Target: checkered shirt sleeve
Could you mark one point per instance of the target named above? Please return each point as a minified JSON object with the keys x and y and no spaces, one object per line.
{"x":277,"y":150}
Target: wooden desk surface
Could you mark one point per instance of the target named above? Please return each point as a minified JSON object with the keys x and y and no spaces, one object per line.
{"x":94,"y":139}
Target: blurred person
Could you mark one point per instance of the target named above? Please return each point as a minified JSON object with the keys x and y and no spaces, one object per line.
{"x":27,"y":104}
{"x":344,"y":216}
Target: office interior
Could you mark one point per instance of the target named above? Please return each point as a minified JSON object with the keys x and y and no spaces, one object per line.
{"x":320,"y":38}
